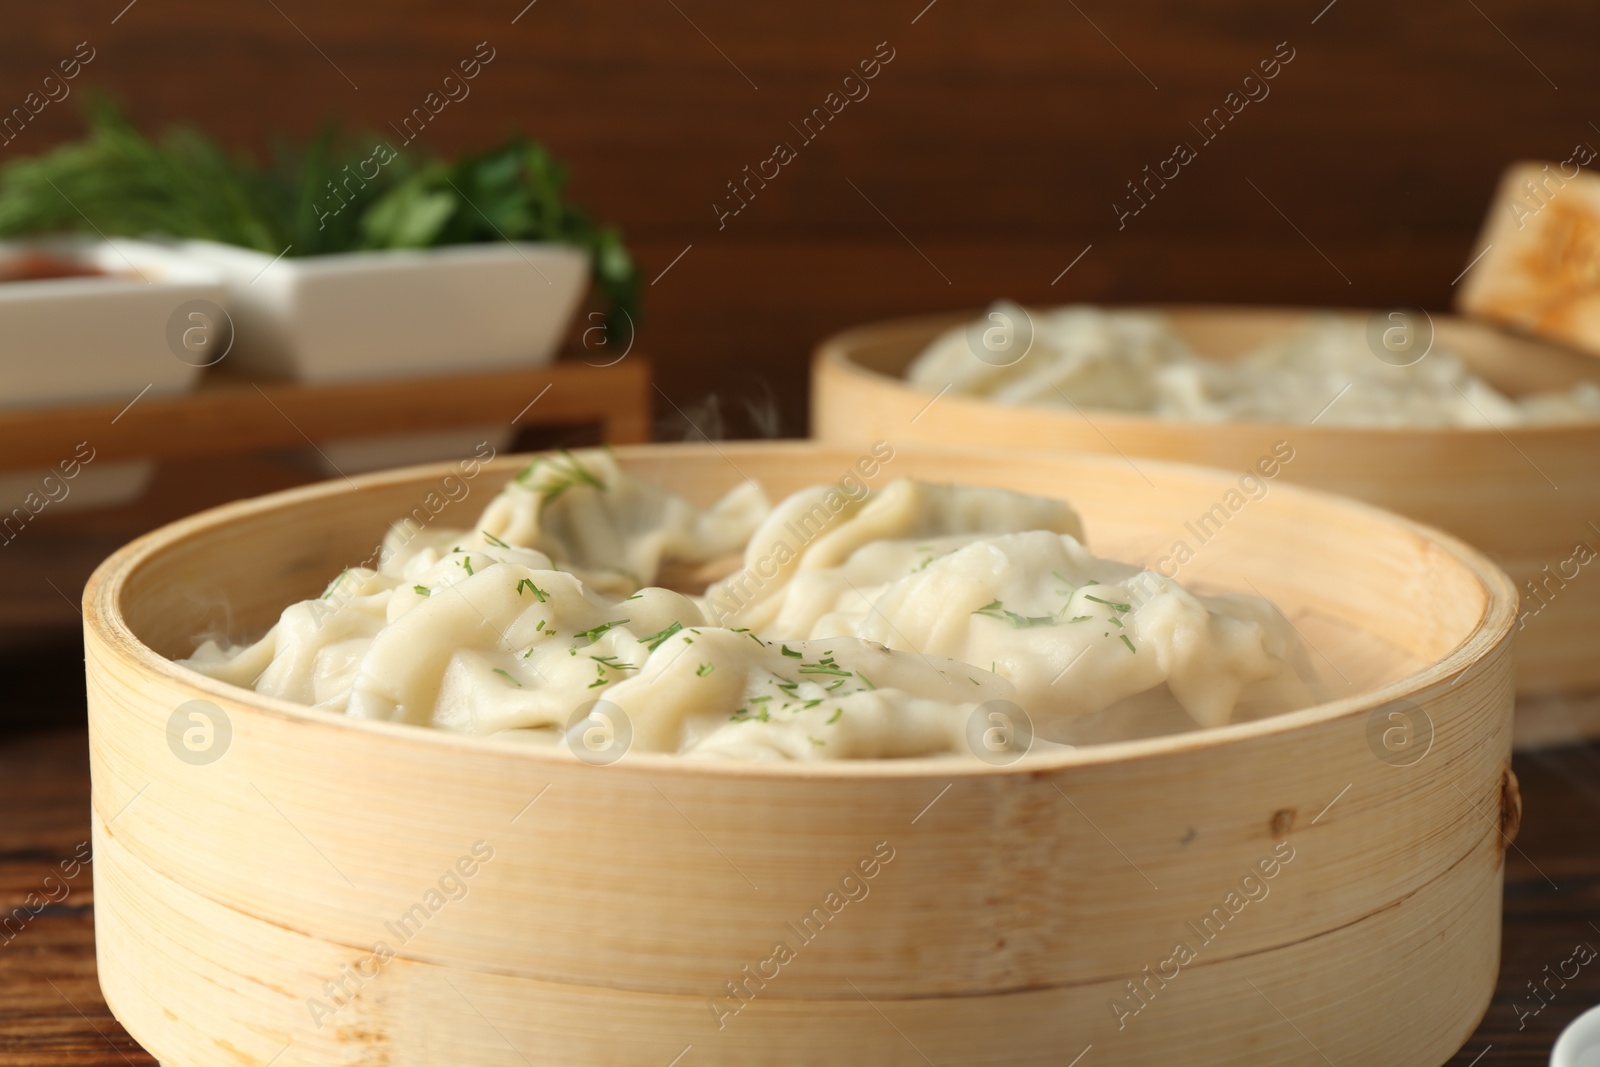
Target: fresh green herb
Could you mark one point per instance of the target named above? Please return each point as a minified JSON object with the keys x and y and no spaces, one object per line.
{"x":812,"y":703}
{"x":635,"y":596}
{"x":995,"y":610}
{"x":835,"y":716}
{"x":831,"y":686}
{"x":1080,"y":618}
{"x":614,"y":663}
{"x":760,"y":699}
{"x":336,"y":583}
{"x":1127,"y":642}
{"x":814,"y":741}
{"x":593,"y":633}
{"x":1063,"y":578}
{"x":422,"y":589}
{"x":865,"y":680}
{"x":508,"y":677}
{"x":787,"y":651}
{"x":493,"y":540}
{"x":655,"y":640}
{"x":1112,"y":604}
{"x":823,"y":668}
{"x":539,"y":594}
{"x":539,"y":627}
{"x":597,"y":681}
{"x":705,"y":669}
{"x":466,"y":561}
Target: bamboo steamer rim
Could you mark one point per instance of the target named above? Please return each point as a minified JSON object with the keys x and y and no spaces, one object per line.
{"x":835,"y":352}
{"x":103,"y":616}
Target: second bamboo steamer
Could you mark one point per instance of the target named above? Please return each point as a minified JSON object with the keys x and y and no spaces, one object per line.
{"x":1527,"y":496}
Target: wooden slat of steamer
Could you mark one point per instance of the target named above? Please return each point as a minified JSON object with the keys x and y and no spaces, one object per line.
{"x":622,"y":902}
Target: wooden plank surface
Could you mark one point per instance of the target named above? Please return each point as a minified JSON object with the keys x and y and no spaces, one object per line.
{"x":228,"y":414}
{"x":51,"y":1014}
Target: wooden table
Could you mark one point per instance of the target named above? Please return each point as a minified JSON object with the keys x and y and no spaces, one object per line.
{"x":51,"y":1012}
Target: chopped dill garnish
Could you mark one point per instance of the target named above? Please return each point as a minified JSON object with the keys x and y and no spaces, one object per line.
{"x":424,"y":590}
{"x":835,"y":716}
{"x":995,"y":610}
{"x":336,"y":583}
{"x":539,"y":594}
{"x":573,"y":473}
{"x":593,"y":633}
{"x":704,"y":669}
{"x":657,"y":639}
{"x":1112,"y":604}
{"x":823,"y":668}
{"x":613,"y":663}
{"x":493,"y":540}
{"x":508,"y":677}
{"x":597,"y":681}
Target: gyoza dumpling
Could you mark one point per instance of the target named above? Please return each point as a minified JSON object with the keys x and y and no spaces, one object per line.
{"x":1074,"y":633}
{"x":822,"y":526}
{"x":612,"y":529}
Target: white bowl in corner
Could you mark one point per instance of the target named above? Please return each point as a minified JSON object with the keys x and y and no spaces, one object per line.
{"x":102,"y":338}
{"x":1579,"y":1043}
{"x":399,"y":313}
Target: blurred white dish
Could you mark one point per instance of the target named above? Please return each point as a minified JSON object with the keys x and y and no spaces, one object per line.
{"x":397,"y":313}
{"x":145,"y":326}
{"x":1579,"y":1043}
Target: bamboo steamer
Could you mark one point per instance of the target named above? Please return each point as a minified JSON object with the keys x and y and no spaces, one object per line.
{"x":1528,"y":497}
{"x":243,"y":883}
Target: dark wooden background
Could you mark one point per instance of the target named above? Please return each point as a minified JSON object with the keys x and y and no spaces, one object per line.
{"x":985,"y":159}
{"x":996,"y":141}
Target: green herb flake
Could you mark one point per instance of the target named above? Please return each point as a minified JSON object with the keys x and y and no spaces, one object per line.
{"x":1112,"y":604}
{"x":835,"y":716}
{"x":422,"y":590}
{"x":539,"y":594}
{"x":787,"y":651}
{"x":1127,"y":642}
{"x":657,"y":639}
{"x":493,"y":540}
{"x":593,"y":633}
{"x":704,"y":669}
{"x":506,"y":675}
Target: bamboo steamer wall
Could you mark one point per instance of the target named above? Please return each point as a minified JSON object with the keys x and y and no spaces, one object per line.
{"x":1525,"y":496}
{"x":239,"y":899}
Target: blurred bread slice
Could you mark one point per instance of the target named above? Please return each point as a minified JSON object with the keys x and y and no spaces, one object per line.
{"x":1541,"y":271}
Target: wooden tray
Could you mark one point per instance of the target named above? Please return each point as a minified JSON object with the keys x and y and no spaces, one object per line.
{"x":1009,"y":908}
{"x":1525,"y":496}
{"x":233,"y":414}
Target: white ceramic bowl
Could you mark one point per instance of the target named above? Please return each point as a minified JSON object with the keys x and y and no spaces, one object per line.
{"x":75,"y":340}
{"x":409,"y":312}
{"x":1579,"y":1043}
